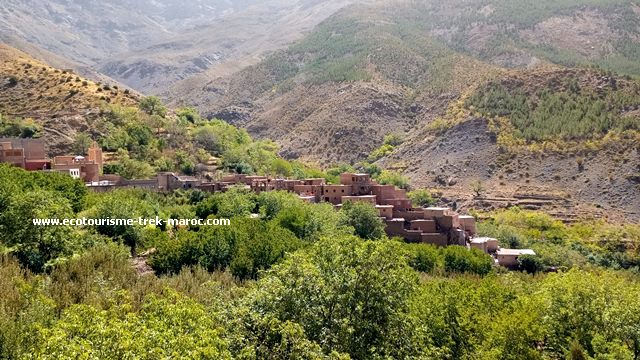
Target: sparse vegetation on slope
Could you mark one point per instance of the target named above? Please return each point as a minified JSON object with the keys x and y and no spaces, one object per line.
{"x":514,"y":32}
{"x":567,"y":105}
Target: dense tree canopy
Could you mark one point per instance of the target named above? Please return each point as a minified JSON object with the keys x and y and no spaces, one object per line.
{"x":294,"y":280}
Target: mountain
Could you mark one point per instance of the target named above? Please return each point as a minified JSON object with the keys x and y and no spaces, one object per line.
{"x":538,"y":100}
{"x":148,"y":45}
{"x":420,"y":69}
{"x":59,"y":101}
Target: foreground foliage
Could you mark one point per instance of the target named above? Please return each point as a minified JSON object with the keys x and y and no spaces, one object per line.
{"x":293,"y":280}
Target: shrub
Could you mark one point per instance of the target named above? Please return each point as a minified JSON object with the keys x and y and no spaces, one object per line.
{"x":462,"y":260}
{"x":530,"y":263}
{"x":422,"y":198}
{"x":422,"y":257}
{"x":37,"y":246}
{"x":310,"y":222}
{"x":365,"y":286}
{"x":248,"y":247}
{"x":393,"y":178}
{"x":393,"y":140}
{"x":364,"y":218}
{"x":153,"y":106}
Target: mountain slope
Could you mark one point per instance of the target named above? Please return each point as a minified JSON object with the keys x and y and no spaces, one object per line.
{"x":148,"y":45}
{"x":438,"y":74}
{"x":60,"y":101}
{"x":562,"y":140}
{"x":334,"y":95}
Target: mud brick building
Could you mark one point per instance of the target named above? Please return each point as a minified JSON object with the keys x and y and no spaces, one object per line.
{"x":30,"y":154}
{"x":437,"y":226}
{"x":434,"y":225}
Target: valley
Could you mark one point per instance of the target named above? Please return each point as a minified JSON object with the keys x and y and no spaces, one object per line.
{"x":332,"y":179}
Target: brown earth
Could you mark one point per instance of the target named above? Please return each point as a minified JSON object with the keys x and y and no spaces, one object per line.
{"x":59,"y":100}
{"x":604,"y":187}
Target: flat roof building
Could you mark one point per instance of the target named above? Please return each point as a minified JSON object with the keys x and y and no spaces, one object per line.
{"x":509,"y":257}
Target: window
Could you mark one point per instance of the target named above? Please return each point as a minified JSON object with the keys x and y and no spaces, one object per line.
{"x":75,"y":173}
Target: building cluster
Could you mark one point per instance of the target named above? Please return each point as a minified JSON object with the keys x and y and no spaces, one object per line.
{"x":30,"y":154}
{"x":433,"y":225}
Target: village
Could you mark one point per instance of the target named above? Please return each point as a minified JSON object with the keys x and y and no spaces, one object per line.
{"x":433,"y":225}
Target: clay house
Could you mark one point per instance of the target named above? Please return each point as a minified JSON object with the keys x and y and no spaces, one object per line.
{"x":438,"y":226}
{"x":28,"y":154}
{"x":486,"y":244}
{"x":87,"y":168}
{"x":509,"y":257}
{"x":168,"y":181}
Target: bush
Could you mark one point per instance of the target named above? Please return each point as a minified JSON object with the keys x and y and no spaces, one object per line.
{"x":310,"y":222}
{"x":550,"y":113}
{"x":347,"y":294}
{"x":36,"y":246}
{"x":462,"y":260}
{"x":364,"y":218}
{"x":248,"y":247}
{"x":21,"y":128}
{"x":393,"y":178}
{"x":153,"y":106}
{"x":270,"y":203}
{"x":423,"y":258}
{"x":123,"y":204}
{"x":422,"y":198}
{"x":166,"y":326}
{"x":393,"y":140}
{"x":236,"y":202}
{"x":530,"y":263}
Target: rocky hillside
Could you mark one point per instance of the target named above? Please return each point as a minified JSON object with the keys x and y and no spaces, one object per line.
{"x":374,"y":69}
{"x":480,"y":90}
{"x":333,"y":96}
{"x":149,"y":45}
{"x":537,"y":100}
{"x":59,"y":101}
{"x":561,"y":140}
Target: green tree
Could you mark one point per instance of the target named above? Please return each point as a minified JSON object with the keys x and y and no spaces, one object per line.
{"x":422,"y":198}
{"x":122,"y":205}
{"x":281,"y":167}
{"x":348,"y":295}
{"x":364,"y":218}
{"x":36,"y":245}
{"x":130,"y":168}
{"x":310,"y":222}
{"x":264,"y":245}
{"x":152,"y":105}
{"x":248,"y":247}
{"x":81,"y":143}
{"x":235,"y":202}
{"x":165,"y":327}
{"x":462,"y":260}
{"x":477,"y":187}
{"x":270,"y":203}
{"x":207,"y":138}
{"x":189,"y":115}
{"x":530,"y":263}
{"x":393,"y":178}
{"x":423,"y":257}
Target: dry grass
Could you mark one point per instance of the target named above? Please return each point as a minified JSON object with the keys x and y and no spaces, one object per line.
{"x":33,"y":89}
